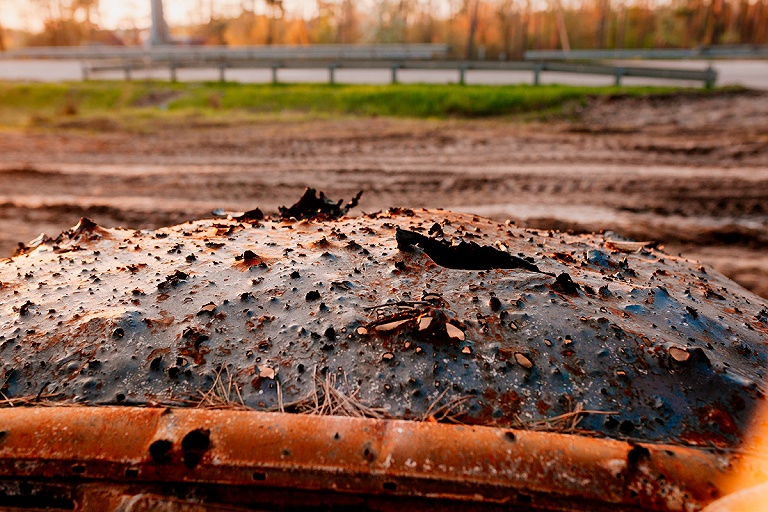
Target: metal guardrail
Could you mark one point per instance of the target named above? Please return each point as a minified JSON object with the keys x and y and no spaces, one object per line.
{"x":332,"y":57}
{"x":707,"y":76}
{"x":703,"y":52}
{"x":219,"y":53}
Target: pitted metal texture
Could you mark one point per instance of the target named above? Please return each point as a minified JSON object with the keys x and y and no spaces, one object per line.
{"x":634,"y":342}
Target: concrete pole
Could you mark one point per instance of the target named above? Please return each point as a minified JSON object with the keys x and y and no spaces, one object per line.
{"x":158,"y":34}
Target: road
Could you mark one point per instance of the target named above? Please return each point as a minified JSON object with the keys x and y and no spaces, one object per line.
{"x":748,"y":73}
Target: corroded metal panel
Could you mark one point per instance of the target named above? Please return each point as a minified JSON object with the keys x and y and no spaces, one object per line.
{"x":614,"y":338}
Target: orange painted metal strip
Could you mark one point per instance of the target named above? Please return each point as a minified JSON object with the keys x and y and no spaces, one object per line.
{"x":353,"y":455}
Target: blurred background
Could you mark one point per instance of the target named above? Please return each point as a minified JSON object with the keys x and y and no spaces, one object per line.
{"x":491,"y":29}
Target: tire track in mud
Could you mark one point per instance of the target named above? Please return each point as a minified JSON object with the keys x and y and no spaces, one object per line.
{"x":691,"y":172}
{"x":693,"y":207}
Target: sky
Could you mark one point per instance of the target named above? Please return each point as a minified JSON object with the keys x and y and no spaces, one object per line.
{"x":126,"y":14}
{"x":21,"y":14}
{"x":115,"y":14}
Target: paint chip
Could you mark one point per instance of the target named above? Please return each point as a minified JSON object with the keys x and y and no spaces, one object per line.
{"x":390,"y":326}
{"x":424,"y":322}
{"x":454,"y":332}
{"x":679,"y":354}
{"x":523,"y":361}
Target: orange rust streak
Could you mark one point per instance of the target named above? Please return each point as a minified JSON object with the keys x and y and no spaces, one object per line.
{"x":40,"y":442}
{"x":746,"y":472}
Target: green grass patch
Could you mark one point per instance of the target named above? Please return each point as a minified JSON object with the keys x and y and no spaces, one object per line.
{"x":133,"y":104}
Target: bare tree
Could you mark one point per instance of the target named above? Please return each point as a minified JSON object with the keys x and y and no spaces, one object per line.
{"x":522,"y":38}
{"x":2,"y":38}
{"x":88,"y":7}
{"x":603,"y":13}
{"x":506,"y":19}
{"x":562,"y":31}
{"x":621,"y":25}
{"x":472,"y":30}
{"x":760,"y":21}
{"x":427,"y":16}
{"x":347,"y":29}
{"x":272,"y":7}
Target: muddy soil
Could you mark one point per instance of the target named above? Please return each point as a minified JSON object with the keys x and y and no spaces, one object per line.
{"x":688,"y":172}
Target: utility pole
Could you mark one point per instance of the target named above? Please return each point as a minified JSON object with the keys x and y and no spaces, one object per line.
{"x":158,"y":33}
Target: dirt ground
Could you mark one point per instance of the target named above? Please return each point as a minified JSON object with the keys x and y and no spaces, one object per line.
{"x":688,"y":172}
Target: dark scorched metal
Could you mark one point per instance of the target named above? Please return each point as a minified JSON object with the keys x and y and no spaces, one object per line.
{"x":634,"y":342}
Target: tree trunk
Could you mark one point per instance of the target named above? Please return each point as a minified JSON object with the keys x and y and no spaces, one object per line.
{"x":506,"y":21}
{"x":646,"y":24}
{"x":472,"y":30}
{"x":759,"y":24}
{"x":621,"y":27}
{"x":403,"y":14}
{"x":562,"y":31}
{"x":524,"y":27}
{"x":603,"y":11}
{"x":430,"y":35}
{"x":718,"y":21}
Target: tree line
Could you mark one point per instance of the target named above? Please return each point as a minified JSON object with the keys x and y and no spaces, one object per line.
{"x":480,"y":29}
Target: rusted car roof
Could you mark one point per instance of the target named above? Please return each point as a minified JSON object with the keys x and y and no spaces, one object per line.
{"x":393,"y":315}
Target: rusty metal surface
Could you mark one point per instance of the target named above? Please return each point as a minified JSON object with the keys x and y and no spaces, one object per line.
{"x":752,"y":499}
{"x":283,"y":314}
{"x":97,"y":455}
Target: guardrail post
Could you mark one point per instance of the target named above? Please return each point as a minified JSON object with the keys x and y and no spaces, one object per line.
{"x":462,"y":72}
{"x":127,"y":71}
{"x":222,"y":71}
{"x":394,"y":73}
{"x":173,"y":71}
{"x":617,"y":74}
{"x":709,"y":81}
{"x":537,"y":73}
{"x":275,"y":67}
{"x":86,"y":69}
{"x":332,"y":74}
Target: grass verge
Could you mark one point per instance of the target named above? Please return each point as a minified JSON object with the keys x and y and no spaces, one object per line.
{"x":108,"y":105}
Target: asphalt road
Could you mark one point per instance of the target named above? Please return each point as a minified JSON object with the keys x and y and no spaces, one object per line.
{"x":747,"y":73}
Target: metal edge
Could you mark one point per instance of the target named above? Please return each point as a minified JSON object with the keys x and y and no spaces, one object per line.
{"x":353,"y":455}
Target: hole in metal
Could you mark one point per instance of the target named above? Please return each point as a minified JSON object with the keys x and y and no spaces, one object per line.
{"x":194,"y":445}
{"x":159,"y":450}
